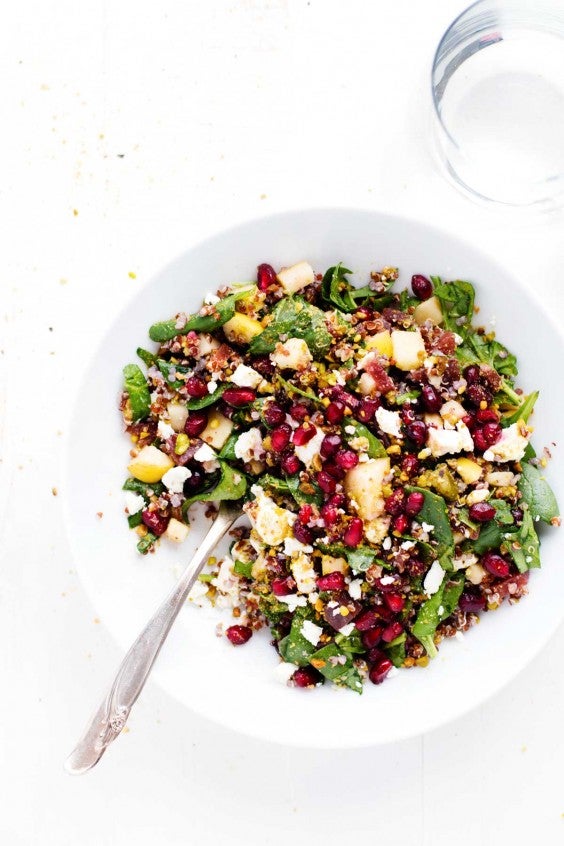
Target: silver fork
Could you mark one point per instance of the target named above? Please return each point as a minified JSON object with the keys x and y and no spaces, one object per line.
{"x":112,"y":715}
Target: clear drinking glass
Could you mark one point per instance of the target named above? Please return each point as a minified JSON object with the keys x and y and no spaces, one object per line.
{"x":498,"y":96}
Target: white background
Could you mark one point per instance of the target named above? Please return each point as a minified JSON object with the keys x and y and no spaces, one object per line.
{"x":130,"y":131}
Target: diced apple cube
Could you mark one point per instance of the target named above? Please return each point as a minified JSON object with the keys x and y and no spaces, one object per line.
{"x":429,"y":310}
{"x":296,"y":277}
{"x":217,"y":431}
{"x":468,"y":470}
{"x":334,"y":565}
{"x":241,"y":329}
{"x":176,"y":531}
{"x":150,"y":465}
{"x":381,"y":342}
{"x":293,"y":354}
{"x":408,"y":349}
{"x":178,"y":415}
{"x":366,"y":384}
{"x":363,"y":484}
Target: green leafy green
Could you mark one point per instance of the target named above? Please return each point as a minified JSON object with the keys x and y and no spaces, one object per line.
{"x":376,"y":448}
{"x":293,"y":389}
{"x":169,"y":370}
{"x":135,"y":520}
{"x":523,"y":545}
{"x":434,"y":512}
{"x":436,"y":609}
{"x":231,"y":484}
{"x":405,"y":300}
{"x":492,"y":533}
{"x":228,"y":448}
{"x":337,"y":666}
{"x":146,"y":357}
{"x":243,"y":568}
{"x":224,"y":310}
{"x":408,"y":396}
{"x":203,"y":402}
{"x":359,"y":559}
{"x":273,"y":483}
{"x":395,"y":650}
{"x":296,"y":318}
{"x":479,"y":349}
{"x":538,"y":494}
{"x":350,"y":644}
{"x":146,"y":543}
{"x":337,"y":290}
{"x":143,"y":488}
{"x":523,"y":411}
{"x":295,"y":648}
{"x":457,"y":302}
{"x":135,"y":386}
{"x":294,"y":483}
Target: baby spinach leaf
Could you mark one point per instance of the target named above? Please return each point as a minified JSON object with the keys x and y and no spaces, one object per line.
{"x":538,"y":494}
{"x":273,"y":483}
{"x":436,"y":609}
{"x":457,"y":302}
{"x":523,"y":412}
{"x":434,"y":513}
{"x":228,"y":449}
{"x":337,"y":666}
{"x":146,"y":357}
{"x":429,"y":644}
{"x":295,"y":648}
{"x":143,"y":488}
{"x":223,"y":311}
{"x":232,"y":484}
{"x":523,"y":545}
{"x":337,"y":290}
{"x":359,"y":559}
{"x":243,"y":568}
{"x":169,"y":370}
{"x":405,"y":300}
{"x":492,"y":533}
{"x":395,"y":650}
{"x":293,"y":389}
{"x":408,"y":396}
{"x":135,"y":386}
{"x":296,"y":318}
{"x":135,"y":520}
{"x":146,"y":543}
{"x":350,"y":644}
{"x":376,"y":448}
{"x":203,"y":402}
{"x":294,"y":483}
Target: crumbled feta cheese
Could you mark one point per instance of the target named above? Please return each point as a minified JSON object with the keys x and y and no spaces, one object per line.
{"x":350,"y":430}
{"x":466,"y":559}
{"x":311,"y":632}
{"x":292,"y":546}
{"x":427,"y":527}
{"x":227,"y":584}
{"x":434,"y":578}
{"x":293,"y":354}
{"x":293,"y":601}
{"x":347,"y":630}
{"x":212,"y":386}
{"x":211,"y":299}
{"x":164,"y":430}
{"x":271,"y":523}
{"x":387,"y":580}
{"x":303,"y":573}
{"x":444,"y":441}
{"x":174,"y":478}
{"x":355,"y":589}
{"x":312,"y":597}
{"x":458,"y":339}
{"x":134,"y":502}
{"x":441,"y":610}
{"x":389,"y":421}
{"x":246,"y":377}
{"x":512,"y":444}
{"x":198,"y":593}
{"x":284,"y":671}
{"x":248,"y":445}
{"x":307,"y":452}
{"x":387,"y":543}
{"x":407,"y":544}
{"x":207,"y":458}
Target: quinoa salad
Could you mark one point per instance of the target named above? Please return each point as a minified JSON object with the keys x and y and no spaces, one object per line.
{"x":380,"y":448}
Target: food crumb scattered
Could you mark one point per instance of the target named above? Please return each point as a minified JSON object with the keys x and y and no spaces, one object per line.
{"x":54,"y":491}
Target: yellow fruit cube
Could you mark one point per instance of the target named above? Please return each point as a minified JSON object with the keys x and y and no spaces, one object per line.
{"x":381,"y":342}
{"x":468,"y":470}
{"x":217,"y":431}
{"x":408,"y":349}
{"x":150,"y":465}
{"x":241,"y":329}
{"x":429,"y":310}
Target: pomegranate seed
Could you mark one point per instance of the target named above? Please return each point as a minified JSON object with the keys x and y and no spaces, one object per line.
{"x":394,"y":504}
{"x":263,"y":365}
{"x":479,"y":439}
{"x":239,"y":634}
{"x":195,"y":424}
{"x":302,"y":533}
{"x":367,"y":620}
{"x":155,"y":521}
{"x":407,"y":414}
{"x":471,"y":601}
{"x":415,"y":567}
{"x":332,"y":581}
{"x":338,"y":393}
{"x":326,"y":482}
{"x":299,"y":412}
{"x":335,"y":412}
{"x":307,"y":677}
{"x":496,"y":565}
{"x":414,"y":503}
{"x":469,"y":420}
{"x":375,"y":655}
{"x":380,"y":670}
{"x":330,"y":444}
{"x":482,"y":512}
{"x":347,"y":459}
{"x":329,"y":514}
{"x":517,"y":514}
{"x":401,"y":523}
{"x":337,"y":500}
{"x":487,"y":415}
{"x":392,"y":631}
{"x":491,"y":433}
{"x":280,"y":437}
{"x":372,"y":637}
{"x":334,"y":470}
{"x":238,"y":397}
{"x":477,"y":395}
{"x":432,"y":400}
{"x":394,"y":601}
{"x":302,"y":435}
{"x":196,"y":387}
{"x":421,"y":286}
{"x":305,"y":512}
{"x":290,"y":464}
{"x":367,"y":409}
{"x":410,"y":465}
{"x":354,"y":532}
{"x":364,"y":313}
{"x":266,"y":276}
{"x":273,"y":415}
{"x":195,"y":481}
{"x":472,"y":373}
{"x":417,"y":431}
{"x":282,"y":587}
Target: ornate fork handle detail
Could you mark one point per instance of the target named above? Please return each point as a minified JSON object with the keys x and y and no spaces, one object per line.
{"x":113,"y":713}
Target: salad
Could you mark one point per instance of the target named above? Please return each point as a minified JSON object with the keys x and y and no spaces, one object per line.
{"x":379,"y":446}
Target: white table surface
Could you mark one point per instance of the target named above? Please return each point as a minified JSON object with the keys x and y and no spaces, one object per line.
{"x":129,"y":131}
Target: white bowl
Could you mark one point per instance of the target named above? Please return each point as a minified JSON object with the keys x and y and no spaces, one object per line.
{"x":236,"y":686}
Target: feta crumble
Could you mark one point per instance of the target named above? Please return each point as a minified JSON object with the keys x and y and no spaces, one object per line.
{"x":355,"y":589}
{"x":293,"y":601}
{"x":134,"y":502}
{"x":248,"y":446}
{"x":246,"y":377}
{"x":311,"y":632}
{"x":347,"y":630}
{"x":512,"y":444}
{"x":389,"y":421}
{"x":207,"y":458}
{"x":174,"y":479}
{"x":307,"y":452}
{"x":164,"y":430}
{"x":434,"y":578}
